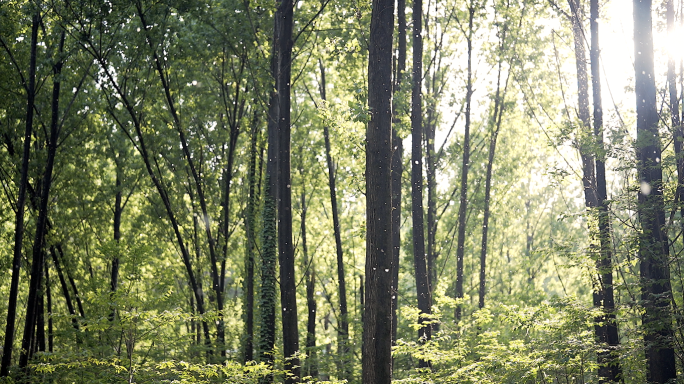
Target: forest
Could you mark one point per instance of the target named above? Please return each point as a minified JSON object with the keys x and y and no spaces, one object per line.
{"x":341,"y":191}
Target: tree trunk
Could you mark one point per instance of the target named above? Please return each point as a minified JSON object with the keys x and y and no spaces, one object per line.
{"x":397,"y":163}
{"x":344,"y":367}
{"x":499,"y":106}
{"x":65,"y":287}
{"x":21,"y":202}
{"x":463,"y":205}
{"x":141,"y":146}
{"x":118,"y":209}
{"x":311,"y":363}
{"x":609,"y":363}
{"x":248,"y":340}
{"x":288,"y":289}
{"x":267,"y":290}
{"x":48,"y":293}
{"x":656,"y":292}
{"x":419,"y":259}
{"x":377,"y":321}
{"x":35,"y":284}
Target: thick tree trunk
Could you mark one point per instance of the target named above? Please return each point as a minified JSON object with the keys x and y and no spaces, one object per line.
{"x":267,"y":290}
{"x":653,"y":243}
{"x":377,"y":321}
{"x":463,"y":205}
{"x":609,"y":364}
{"x":21,"y":202}
{"x":288,"y":289}
{"x":419,"y":256}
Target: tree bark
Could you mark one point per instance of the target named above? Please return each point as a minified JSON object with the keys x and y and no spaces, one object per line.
{"x":499,"y":107}
{"x":463,"y":205}
{"x":35,"y":284}
{"x":21,"y":201}
{"x":377,"y":321}
{"x":248,"y":341}
{"x":656,"y":292}
{"x":419,"y":256}
{"x":311,"y":363}
{"x":344,"y":367}
{"x":609,"y":364}
{"x":288,"y":289}
{"x":397,"y":162}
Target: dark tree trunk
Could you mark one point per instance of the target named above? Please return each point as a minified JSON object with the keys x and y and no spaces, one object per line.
{"x":463,"y":205}
{"x":21,"y":202}
{"x":72,"y":283}
{"x":419,"y":257}
{"x":377,"y":321}
{"x":248,"y":340}
{"x":48,"y":295}
{"x":653,"y":243}
{"x":609,"y":364}
{"x":288,"y":289}
{"x":267,"y":290}
{"x":35,"y":284}
{"x":397,"y":163}
{"x":65,"y":287}
{"x":311,"y":363}
{"x":344,"y":367}
{"x":118,"y":209}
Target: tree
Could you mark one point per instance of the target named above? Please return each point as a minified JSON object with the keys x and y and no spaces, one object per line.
{"x":377,"y":318}
{"x":463,"y":202}
{"x":419,"y":256}
{"x":654,"y":273}
{"x":21,"y":198}
{"x":607,"y":329}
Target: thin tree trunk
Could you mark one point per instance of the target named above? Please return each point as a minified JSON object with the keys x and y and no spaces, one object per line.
{"x":65,"y":287}
{"x":419,"y":257}
{"x":311,"y":363}
{"x":610,"y":369}
{"x":397,"y":163}
{"x":463,"y":205}
{"x":499,"y":106}
{"x":344,"y":367}
{"x":248,"y":340}
{"x":216,"y":283}
{"x":118,"y":209}
{"x":377,"y":320}
{"x":72,"y":283}
{"x":21,"y":201}
{"x":48,"y":293}
{"x":35,"y":285}
{"x":653,"y":243}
